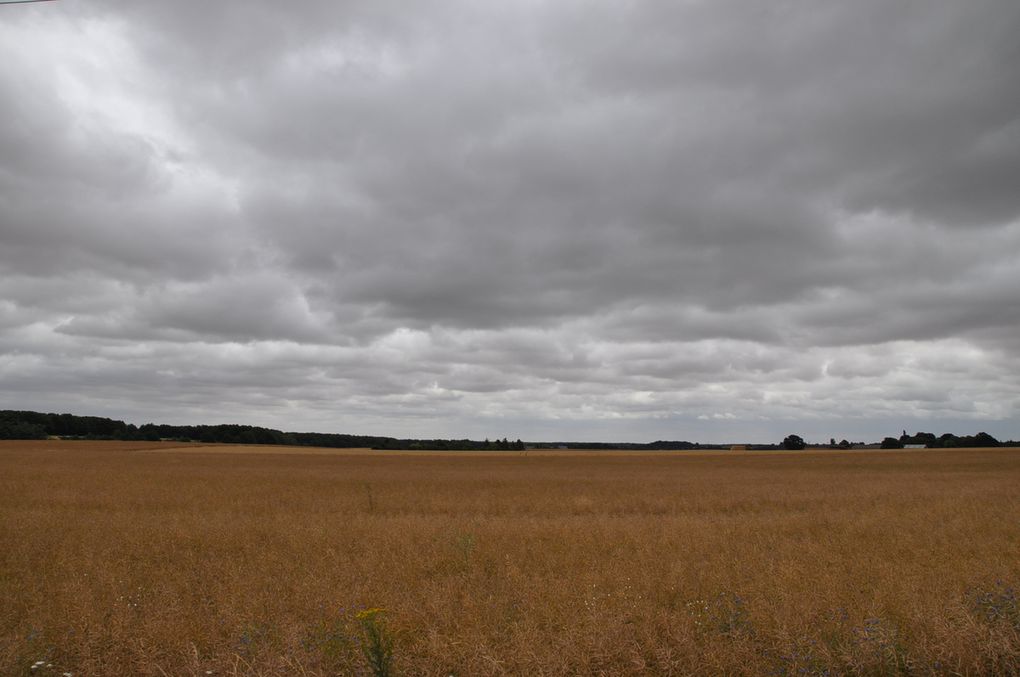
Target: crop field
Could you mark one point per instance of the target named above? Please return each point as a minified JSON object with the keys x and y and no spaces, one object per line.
{"x":124,"y":558}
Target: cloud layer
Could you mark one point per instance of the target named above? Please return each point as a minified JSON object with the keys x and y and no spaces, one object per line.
{"x":700,"y":220}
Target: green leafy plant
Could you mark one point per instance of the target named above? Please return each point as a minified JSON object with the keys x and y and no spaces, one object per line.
{"x":378,"y":642}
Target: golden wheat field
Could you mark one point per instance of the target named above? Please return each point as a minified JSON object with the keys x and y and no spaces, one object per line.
{"x":151,"y":559}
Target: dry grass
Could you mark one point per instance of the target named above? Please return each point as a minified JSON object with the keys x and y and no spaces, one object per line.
{"x":116,"y":561}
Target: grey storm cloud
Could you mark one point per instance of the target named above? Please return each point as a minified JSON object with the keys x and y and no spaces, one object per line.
{"x":701,"y":220}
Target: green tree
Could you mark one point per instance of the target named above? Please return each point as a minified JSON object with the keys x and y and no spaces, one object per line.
{"x":983,"y":439}
{"x":794,"y":442}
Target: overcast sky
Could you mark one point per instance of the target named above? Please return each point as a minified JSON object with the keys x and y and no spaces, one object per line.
{"x":717,"y":220}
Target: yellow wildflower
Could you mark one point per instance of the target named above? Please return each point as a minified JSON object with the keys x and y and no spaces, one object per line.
{"x":367,"y":614}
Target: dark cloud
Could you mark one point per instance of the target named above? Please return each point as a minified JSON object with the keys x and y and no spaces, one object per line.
{"x":579,"y":220}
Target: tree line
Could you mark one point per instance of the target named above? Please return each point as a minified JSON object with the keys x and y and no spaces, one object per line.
{"x":28,"y":425}
{"x":945,"y":441}
{"x":928,"y":440}
{"x":32,"y":425}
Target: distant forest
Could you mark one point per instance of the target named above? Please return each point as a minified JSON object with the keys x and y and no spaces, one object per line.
{"x":32,"y":425}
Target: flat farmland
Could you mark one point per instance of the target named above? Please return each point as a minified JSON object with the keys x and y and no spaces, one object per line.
{"x":156,"y":559}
